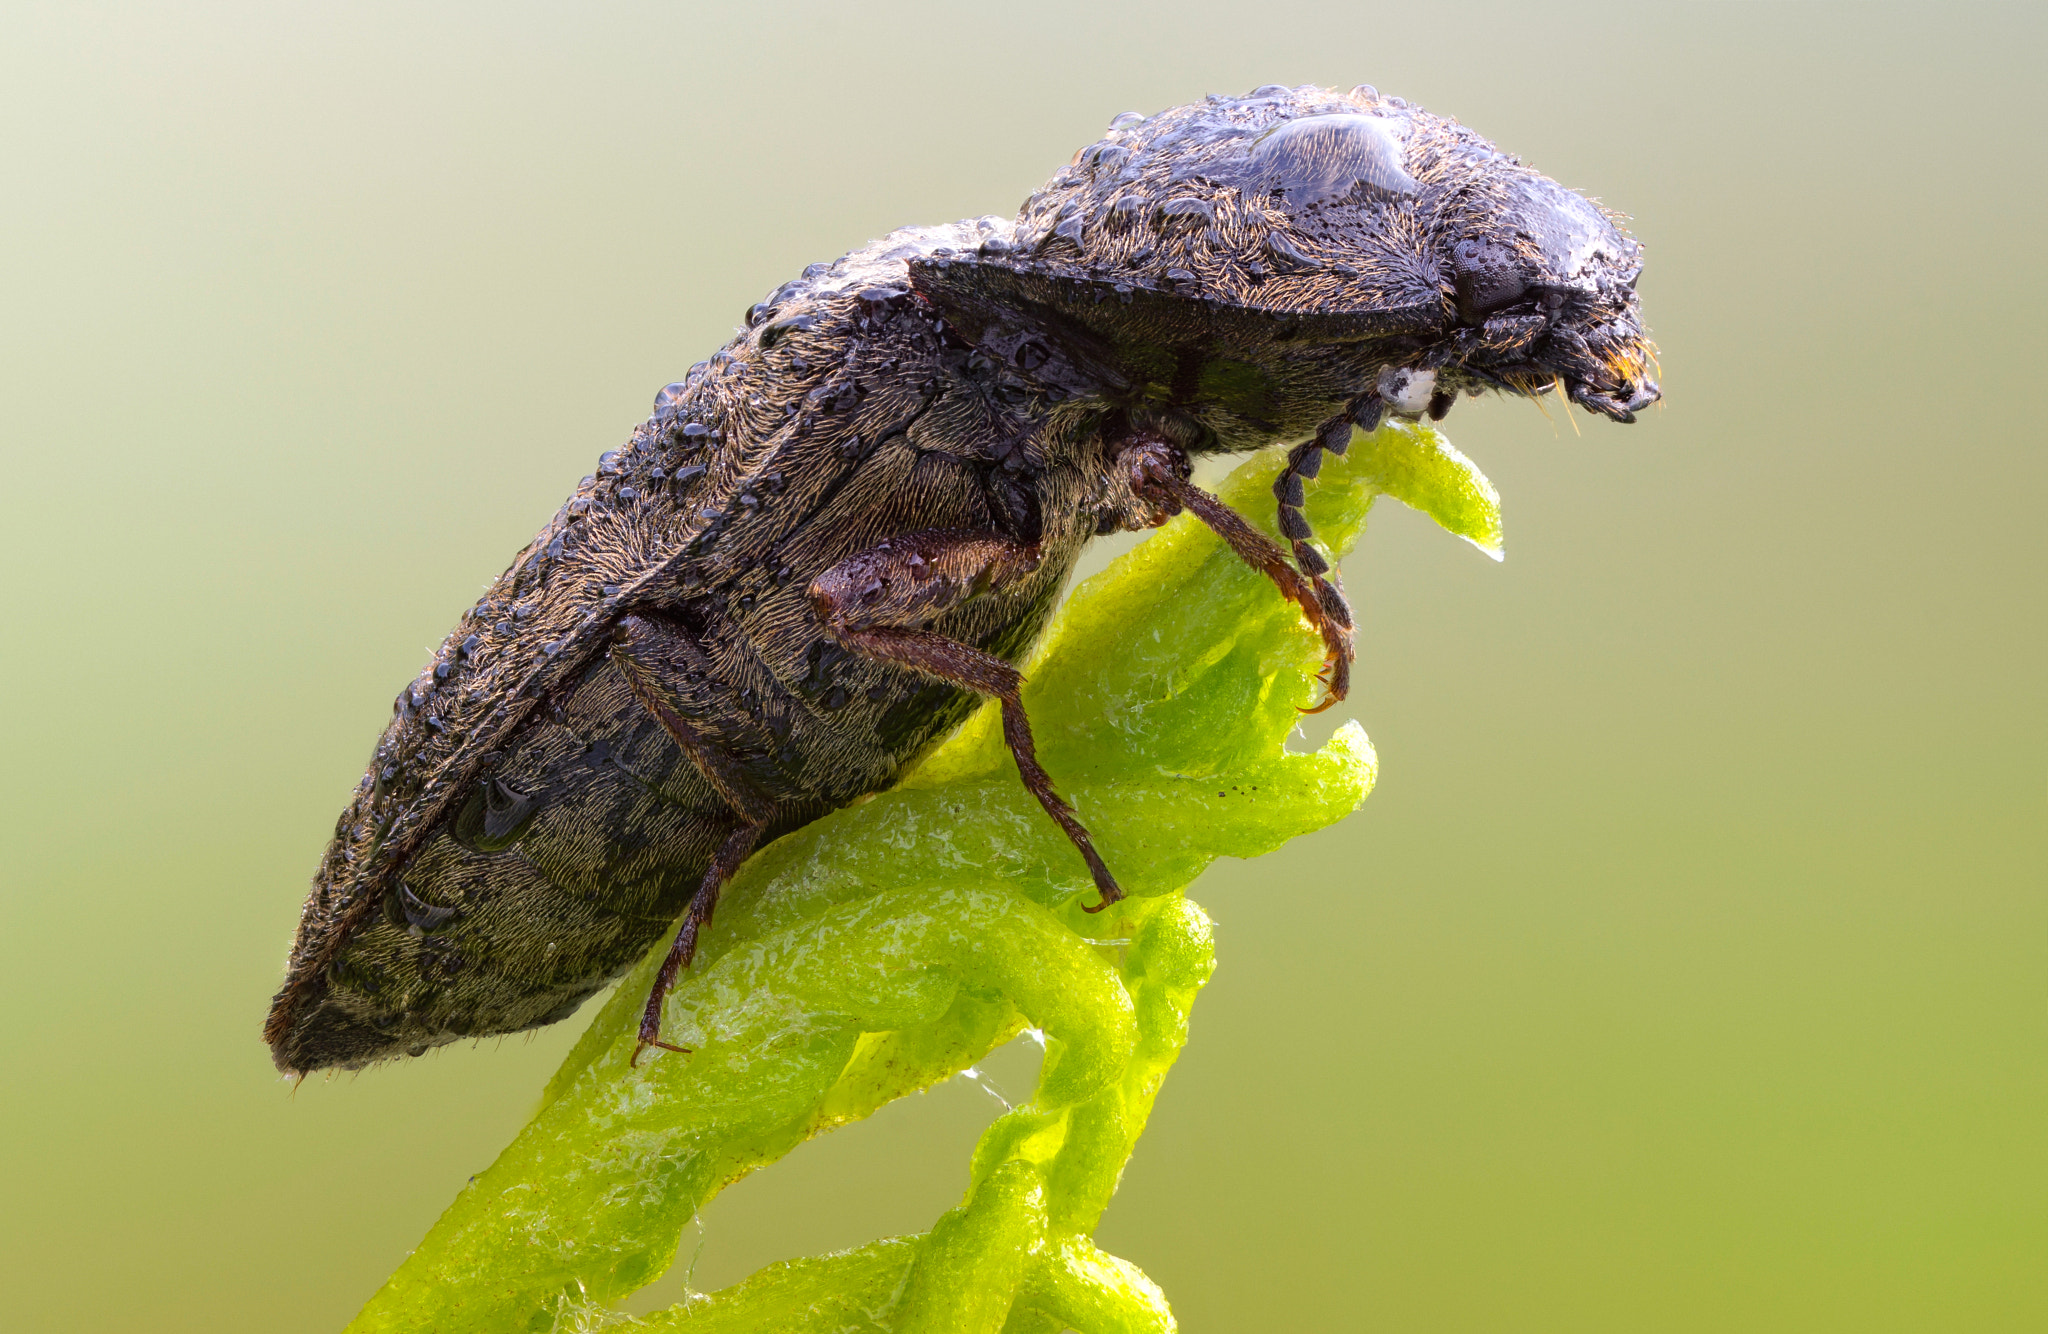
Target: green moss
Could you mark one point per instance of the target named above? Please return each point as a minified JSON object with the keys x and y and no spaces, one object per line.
{"x":894,"y":943}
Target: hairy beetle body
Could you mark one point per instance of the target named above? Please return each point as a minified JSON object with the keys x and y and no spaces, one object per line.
{"x":833,"y":536}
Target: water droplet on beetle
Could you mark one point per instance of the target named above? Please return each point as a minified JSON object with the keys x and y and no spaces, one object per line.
{"x":1288,"y":257}
{"x":419,"y":915}
{"x":1317,"y":159}
{"x":1186,"y":213}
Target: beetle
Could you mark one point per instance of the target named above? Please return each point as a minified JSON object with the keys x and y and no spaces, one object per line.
{"x":837,"y":535}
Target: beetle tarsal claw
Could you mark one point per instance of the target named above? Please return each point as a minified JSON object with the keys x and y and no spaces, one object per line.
{"x":1335,"y":679}
{"x":640,"y":1049}
{"x":1107,"y":899}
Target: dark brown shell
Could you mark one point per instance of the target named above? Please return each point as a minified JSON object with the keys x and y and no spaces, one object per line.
{"x":1220,"y":275}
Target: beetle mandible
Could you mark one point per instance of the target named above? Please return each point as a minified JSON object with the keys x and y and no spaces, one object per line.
{"x":839,"y":533}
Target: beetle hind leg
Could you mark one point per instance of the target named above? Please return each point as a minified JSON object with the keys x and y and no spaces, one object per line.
{"x":724,"y":865}
{"x":640,"y":646}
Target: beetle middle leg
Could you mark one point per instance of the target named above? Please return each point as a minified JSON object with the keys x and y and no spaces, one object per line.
{"x":877,"y":602}
{"x":640,"y":646}
{"x":1157,"y":473}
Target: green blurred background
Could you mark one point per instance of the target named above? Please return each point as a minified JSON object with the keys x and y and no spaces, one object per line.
{"x":1686,"y":971}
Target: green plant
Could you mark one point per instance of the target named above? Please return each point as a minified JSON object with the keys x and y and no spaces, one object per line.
{"x":896,"y":942}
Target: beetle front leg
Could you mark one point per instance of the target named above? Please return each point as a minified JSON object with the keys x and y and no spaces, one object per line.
{"x":638,"y":647}
{"x":1157,"y":473}
{"x":876,"y":604}
{"x":1304,"y":461}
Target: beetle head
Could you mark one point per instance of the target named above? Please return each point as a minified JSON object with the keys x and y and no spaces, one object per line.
{"x":1323,"y":244}
{"x":1543,"y":286}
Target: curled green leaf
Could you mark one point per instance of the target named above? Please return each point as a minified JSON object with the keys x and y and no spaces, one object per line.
{"x":894,"y":943}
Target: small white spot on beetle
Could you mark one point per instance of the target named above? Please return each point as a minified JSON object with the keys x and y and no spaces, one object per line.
{"x":1405,"y":389}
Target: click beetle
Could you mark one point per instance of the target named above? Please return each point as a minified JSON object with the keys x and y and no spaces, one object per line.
{"x":834,"y":537}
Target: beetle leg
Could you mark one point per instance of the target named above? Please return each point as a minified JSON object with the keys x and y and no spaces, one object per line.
{"x":1304,"y":461}
{"x":1157,"y":471}
{"x":637,"y":649}
{"x":876,"y":603}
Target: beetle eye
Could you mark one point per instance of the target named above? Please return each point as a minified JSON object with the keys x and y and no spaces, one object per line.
{"x":1315,"y":159}
{"x":1487,"y":277}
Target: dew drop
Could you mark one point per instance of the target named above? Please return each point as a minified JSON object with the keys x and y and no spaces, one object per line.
{"x":1186,"y":214}
{"x":1317,"y":159}
{"x":421,"y":916}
